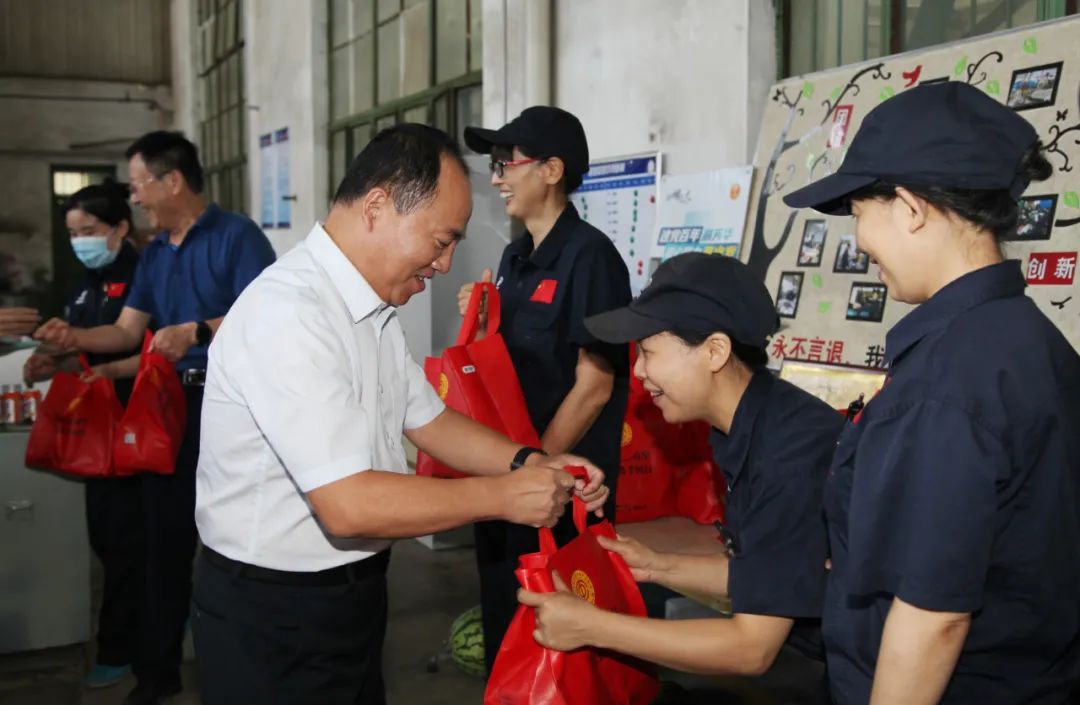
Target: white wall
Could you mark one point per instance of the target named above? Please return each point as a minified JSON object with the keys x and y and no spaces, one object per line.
{"x":687,"y":77}
{"x":288,"y":86}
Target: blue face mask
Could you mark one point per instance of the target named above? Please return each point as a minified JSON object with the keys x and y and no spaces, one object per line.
{"x":93,"y":251}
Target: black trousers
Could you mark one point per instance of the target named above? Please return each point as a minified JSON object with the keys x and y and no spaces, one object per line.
{"x":498,"y":546}
{"x":273,"y":644}
{"x":114,"y":522}
{"x":169,"y":510}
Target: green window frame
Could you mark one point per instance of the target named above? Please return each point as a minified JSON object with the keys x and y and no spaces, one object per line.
{"x":395,"y":61}
{"x":222,"y":109}
{"x":838,"y":32}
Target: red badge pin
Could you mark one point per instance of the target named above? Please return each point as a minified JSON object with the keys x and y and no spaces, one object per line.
{"x":115,"y":289}
{"x":545,"y":292}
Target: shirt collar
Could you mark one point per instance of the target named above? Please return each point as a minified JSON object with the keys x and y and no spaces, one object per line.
{"x":996,"y":281}
{"x":359,"y":297}
{"x":732,"y":450}
{"x":545,"y":255}
{"x":203,"y":221}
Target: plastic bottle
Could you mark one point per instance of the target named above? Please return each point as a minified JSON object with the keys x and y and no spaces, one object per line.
{"x":31,"y":400}
{"x":10,"y":404}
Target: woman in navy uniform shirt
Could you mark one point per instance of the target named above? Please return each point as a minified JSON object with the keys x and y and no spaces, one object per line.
{"x":702,"y":325}
{"x":558,"y":272}
{"x":953,"y":501}
{"x":99,"y":220}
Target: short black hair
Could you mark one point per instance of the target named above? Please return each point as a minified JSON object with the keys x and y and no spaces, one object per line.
{"x":406,"y":161}
{"x":753,"y":357}
{"x":569,"y":182}
{"x":995,"y":211}
{"x":165,"y":151}
{"x":108,"y":202}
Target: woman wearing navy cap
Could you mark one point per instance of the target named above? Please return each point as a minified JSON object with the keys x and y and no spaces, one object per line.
{"x":953,"y":501}
{"x":559,"y":271}
{"x":702,"y":325}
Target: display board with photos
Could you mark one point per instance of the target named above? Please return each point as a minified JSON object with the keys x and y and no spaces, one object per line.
{"x":833,"y":308}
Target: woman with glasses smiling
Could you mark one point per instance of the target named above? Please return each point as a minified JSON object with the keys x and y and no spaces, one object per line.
{"x":560,"y":271}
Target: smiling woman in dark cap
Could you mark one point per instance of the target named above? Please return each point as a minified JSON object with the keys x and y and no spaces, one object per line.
{"x":558,"y":272}
{"x":953,"y":502}
{"x":702,"y":325}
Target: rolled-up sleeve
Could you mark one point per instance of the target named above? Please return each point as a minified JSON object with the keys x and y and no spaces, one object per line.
{"x":302,"y":397}
{"x":423,"y":404}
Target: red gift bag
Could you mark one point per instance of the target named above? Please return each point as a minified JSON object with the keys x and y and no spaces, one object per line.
{"x":646,"y":487}
{"x":73,"y":433}
{"x":526,"y":673}
{"x":477,"y":379}
{"x":149,"y":434}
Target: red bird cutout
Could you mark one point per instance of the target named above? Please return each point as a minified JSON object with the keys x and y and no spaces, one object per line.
{"x":912,"y":76}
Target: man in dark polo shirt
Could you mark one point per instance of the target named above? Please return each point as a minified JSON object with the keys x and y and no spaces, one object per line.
{"x":560,"y":271}
{"x":702,"y":325}
{"x":187,"y":279}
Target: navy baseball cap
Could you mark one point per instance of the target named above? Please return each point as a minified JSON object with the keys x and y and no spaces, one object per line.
{"x":944,"y":134}
{"x":542,"y":130}
{"x":698,"y":293}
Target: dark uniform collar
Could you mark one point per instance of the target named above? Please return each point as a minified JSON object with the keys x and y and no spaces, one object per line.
{"x":545,"y":255}
{"x":996,"y":281}
{"x":203,"y":221}
{"x":732,"y":450}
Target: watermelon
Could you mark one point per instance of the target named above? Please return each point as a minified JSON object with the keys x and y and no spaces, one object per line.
{"x":467,"y":642}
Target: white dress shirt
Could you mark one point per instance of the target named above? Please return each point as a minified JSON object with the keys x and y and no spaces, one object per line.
{"x":309,"y":381}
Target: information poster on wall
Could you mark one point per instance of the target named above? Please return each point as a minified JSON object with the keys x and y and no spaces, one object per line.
{"x":703,"y":212}
{"x":618,"y":196}
{"x":267,"y":214}
{"x":284,"y":195}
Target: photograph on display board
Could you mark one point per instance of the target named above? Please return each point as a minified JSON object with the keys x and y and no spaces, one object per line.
{"x":813,"y":243}
{"x":787,"y":295}
{"x":849,"y":258}
{"x":867,"y":302}
{"x":1036,"y":217}
{"x":1034,"y":87}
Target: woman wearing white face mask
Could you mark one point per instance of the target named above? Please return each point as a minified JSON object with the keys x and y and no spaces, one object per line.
{"x":99,"y":220}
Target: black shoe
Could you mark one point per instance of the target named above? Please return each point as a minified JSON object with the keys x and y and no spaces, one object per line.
{"x":148,"y":692}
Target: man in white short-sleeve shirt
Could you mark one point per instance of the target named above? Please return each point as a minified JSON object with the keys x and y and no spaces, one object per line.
{"x":302,"y":482}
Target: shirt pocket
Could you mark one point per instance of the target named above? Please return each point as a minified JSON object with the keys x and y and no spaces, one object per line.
{"x":536,"y":322}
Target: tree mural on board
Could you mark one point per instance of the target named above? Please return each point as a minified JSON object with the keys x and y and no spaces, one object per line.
{"x":761,"y":252}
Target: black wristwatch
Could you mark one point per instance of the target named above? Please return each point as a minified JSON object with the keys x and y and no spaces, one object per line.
{"x":202,"y":333}
{"x":522,"y":456}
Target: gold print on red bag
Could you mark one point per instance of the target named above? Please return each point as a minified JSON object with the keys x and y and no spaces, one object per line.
{"x":582,"y":586}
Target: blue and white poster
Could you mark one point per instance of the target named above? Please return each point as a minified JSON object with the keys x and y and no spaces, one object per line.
{"x":267,"y":201}
{"x":703,"y":212}
{"x":618,"y":196}
{"x":284,"y":195}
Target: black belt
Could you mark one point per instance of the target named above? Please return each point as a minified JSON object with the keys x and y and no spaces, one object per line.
{"x":341,"y":575}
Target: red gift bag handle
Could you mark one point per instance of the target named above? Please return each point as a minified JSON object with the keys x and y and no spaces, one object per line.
{"x":547,"y":539}
{"x":471,"y":325}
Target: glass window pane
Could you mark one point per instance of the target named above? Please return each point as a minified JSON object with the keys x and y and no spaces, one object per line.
{"x":230,"y":25}
{"x":339,"y":22}
{"x":361,"y":135}
{"x":476,"y":35}
{"x":363,"y":75}
{"x":417,"y":114}
{"x":212,"y":106}
{"x":801,"y":43}
{"x":451,"y":40}
{"x":852,"y":30}
{"x":363,"y":18}
{"x":339,"y":82}
{"x":929,"y":22}
{"x":416,"y":28}
{"x":388,"y":8}
{"x":337,"y":159}
{"x":385,"y":121}
{"x":876,"y":44}
{"x":470,"y":110}
{"x":828,"y":34}
{"x":441,"y":112}
{"x":1024,"y":12}
{"x":389,"y":61}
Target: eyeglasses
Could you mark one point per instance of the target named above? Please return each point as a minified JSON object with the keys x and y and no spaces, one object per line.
{"x":498,"y":166}
{"x":140,"y":184}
